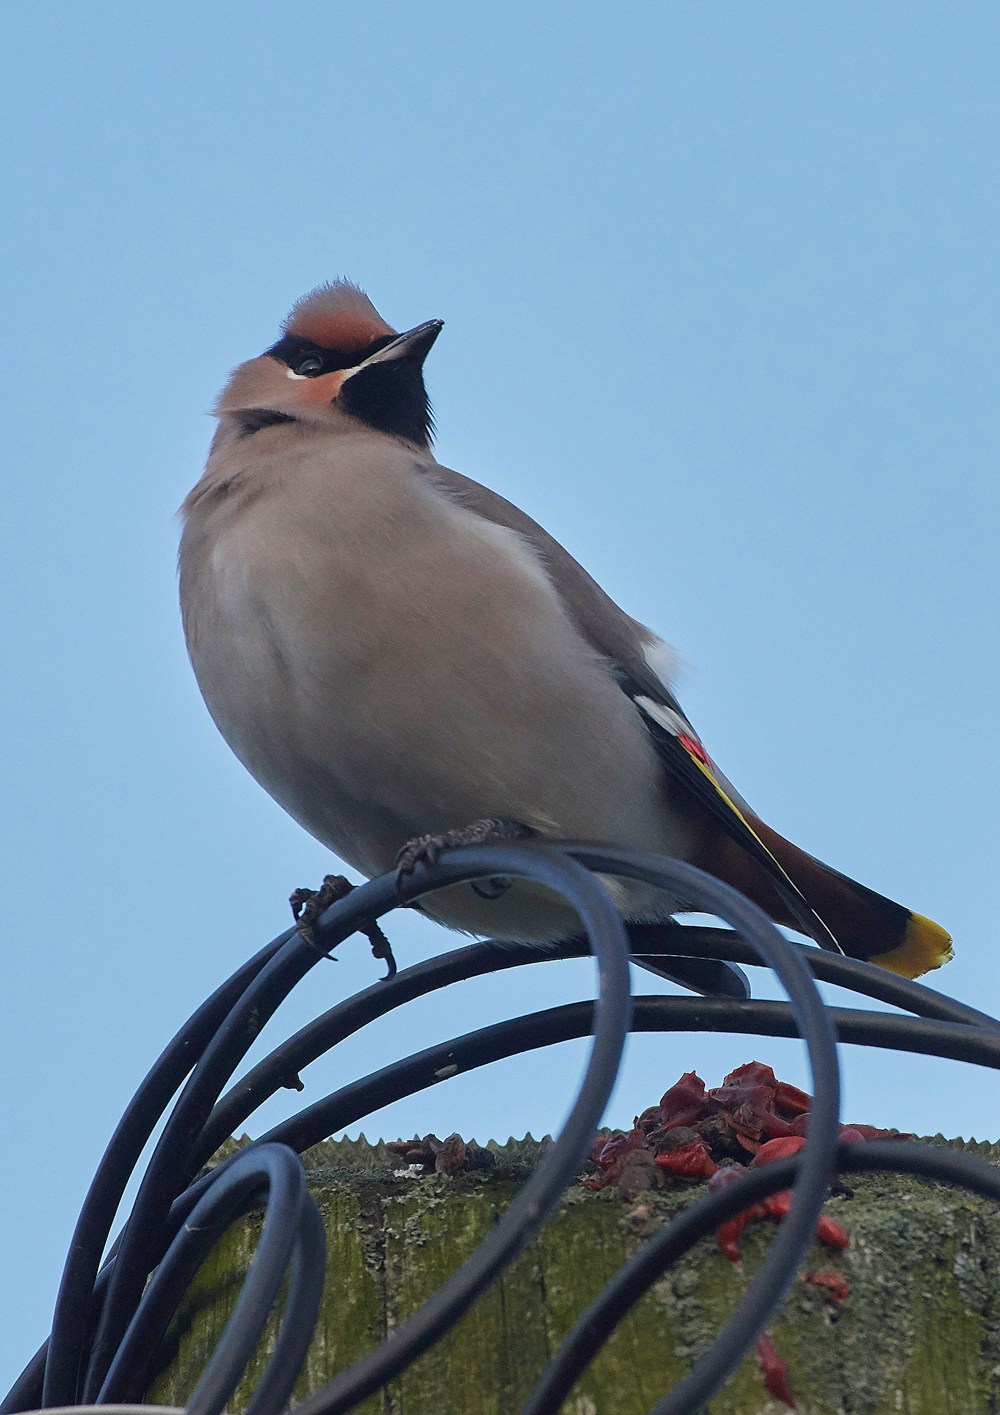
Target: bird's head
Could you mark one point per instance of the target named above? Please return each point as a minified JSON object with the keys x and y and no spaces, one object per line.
{"x":336,"y":357}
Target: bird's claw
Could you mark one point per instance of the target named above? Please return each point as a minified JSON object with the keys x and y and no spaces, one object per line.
{"x":428,"y":849}
{"x":309,"y":904}
{"x":381,"y":948}
{"x":422,"y":850}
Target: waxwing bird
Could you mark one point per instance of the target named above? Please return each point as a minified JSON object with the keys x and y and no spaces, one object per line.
{"x":403,"y":659}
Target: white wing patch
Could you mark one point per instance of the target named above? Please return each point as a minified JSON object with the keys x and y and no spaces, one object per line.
{"x":663,"y":660}
{"x":669,"y":720}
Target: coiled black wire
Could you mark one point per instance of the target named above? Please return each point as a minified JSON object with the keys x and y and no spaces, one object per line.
{"x":107,"y":1329}
{"x":293,"y":1232}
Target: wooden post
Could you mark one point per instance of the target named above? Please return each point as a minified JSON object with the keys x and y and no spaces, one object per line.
{"x":919,"y":1332}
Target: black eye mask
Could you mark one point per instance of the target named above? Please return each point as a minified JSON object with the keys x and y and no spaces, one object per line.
{"x":389,"y":395}
{"x":308,"y":360}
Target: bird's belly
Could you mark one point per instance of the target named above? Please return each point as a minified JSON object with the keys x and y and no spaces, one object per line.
{"x":387,"y":707}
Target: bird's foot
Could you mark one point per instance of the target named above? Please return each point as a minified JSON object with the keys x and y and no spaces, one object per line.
{"x":309,"y":904}
{"x":428,"y":849}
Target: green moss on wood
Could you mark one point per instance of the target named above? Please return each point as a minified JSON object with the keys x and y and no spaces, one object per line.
{"x":920,"y":1332}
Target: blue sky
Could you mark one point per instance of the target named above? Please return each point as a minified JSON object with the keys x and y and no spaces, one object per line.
{"x":720,"y":293}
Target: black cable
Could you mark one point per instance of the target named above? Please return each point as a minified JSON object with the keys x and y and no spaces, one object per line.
{"x":852,"y":973}
{"x":281,"y":1067}
{"x":65,"y":1345}
{"x":260,"y":1291}
{"x":594,"y":1325}
{"x":167,"y":1168}
{"x":26,"y":1392}
{"x":650,"y":1013}
{"x":711,"y":895}
{"x":549,"y":866}
{"x":305,"y":1296}
{"x":283,"y":1064}
{"x":224,"y":1027}
{"x":271,"y":1173}
{"x":164,"y":1176}
{"x":575,"y":1020}
{"x":814,"y":1024}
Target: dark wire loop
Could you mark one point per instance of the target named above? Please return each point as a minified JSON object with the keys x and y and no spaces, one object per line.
{"x":177,"y":1214}
{"x":815,"y":1026}
{"x":165,"y":1174}
{"x":550,"y":866}
{"x":293,"y":1231}
{"x":466,"y":1053}
{"x":61,"y":1359}
{"x":301,"y":1312}
{"x":650,"y":940}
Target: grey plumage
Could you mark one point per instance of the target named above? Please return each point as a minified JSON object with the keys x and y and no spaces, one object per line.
{"x":393,"y":650}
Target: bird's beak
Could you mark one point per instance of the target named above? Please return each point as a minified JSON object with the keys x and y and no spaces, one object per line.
{"x":413,"y":346}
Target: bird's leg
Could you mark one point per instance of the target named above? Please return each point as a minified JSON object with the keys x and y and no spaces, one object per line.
{"x":428,"y":849}
{"x":309,"y":904}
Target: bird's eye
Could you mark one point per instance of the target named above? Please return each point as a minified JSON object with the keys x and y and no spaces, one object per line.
{"x":309,"y":367}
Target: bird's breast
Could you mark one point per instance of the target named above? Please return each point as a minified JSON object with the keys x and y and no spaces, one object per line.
{"x":387,"y":663}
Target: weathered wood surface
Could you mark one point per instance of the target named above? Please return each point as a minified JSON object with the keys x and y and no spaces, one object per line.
{"x":919,"y":1333}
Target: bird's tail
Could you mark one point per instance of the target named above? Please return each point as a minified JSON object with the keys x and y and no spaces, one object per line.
{"x":794,"y":888}
{"x":865,"y":924}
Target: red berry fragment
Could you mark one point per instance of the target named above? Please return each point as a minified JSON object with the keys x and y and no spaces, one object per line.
{"x":832,"y":1233}
{"x":777,"y":1150}
{"x":451,"y":1156}
{"x":778,"y":1205}
{"x":775,"y":1372}
{"x":789,"y":1100}
{"x":611,"y":1156}
{"x":693,"y":1130}
{"x":692,"y":1160}
{"x":872,"y":1132}
{"x":728,"y":1233}
{"x":685,"y":1102}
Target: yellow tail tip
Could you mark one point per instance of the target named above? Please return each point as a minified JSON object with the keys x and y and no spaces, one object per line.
{"x":925,"y":946}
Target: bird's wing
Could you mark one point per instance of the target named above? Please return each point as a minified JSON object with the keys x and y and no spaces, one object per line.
{"x":635,"y":654}
{"x":608,"y":629}
{"x":680,"y":750}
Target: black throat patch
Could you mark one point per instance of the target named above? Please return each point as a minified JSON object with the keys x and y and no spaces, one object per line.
{"x":389,"y":396}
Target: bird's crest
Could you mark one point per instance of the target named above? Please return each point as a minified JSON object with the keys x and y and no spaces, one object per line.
{"x":337,"y":316}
